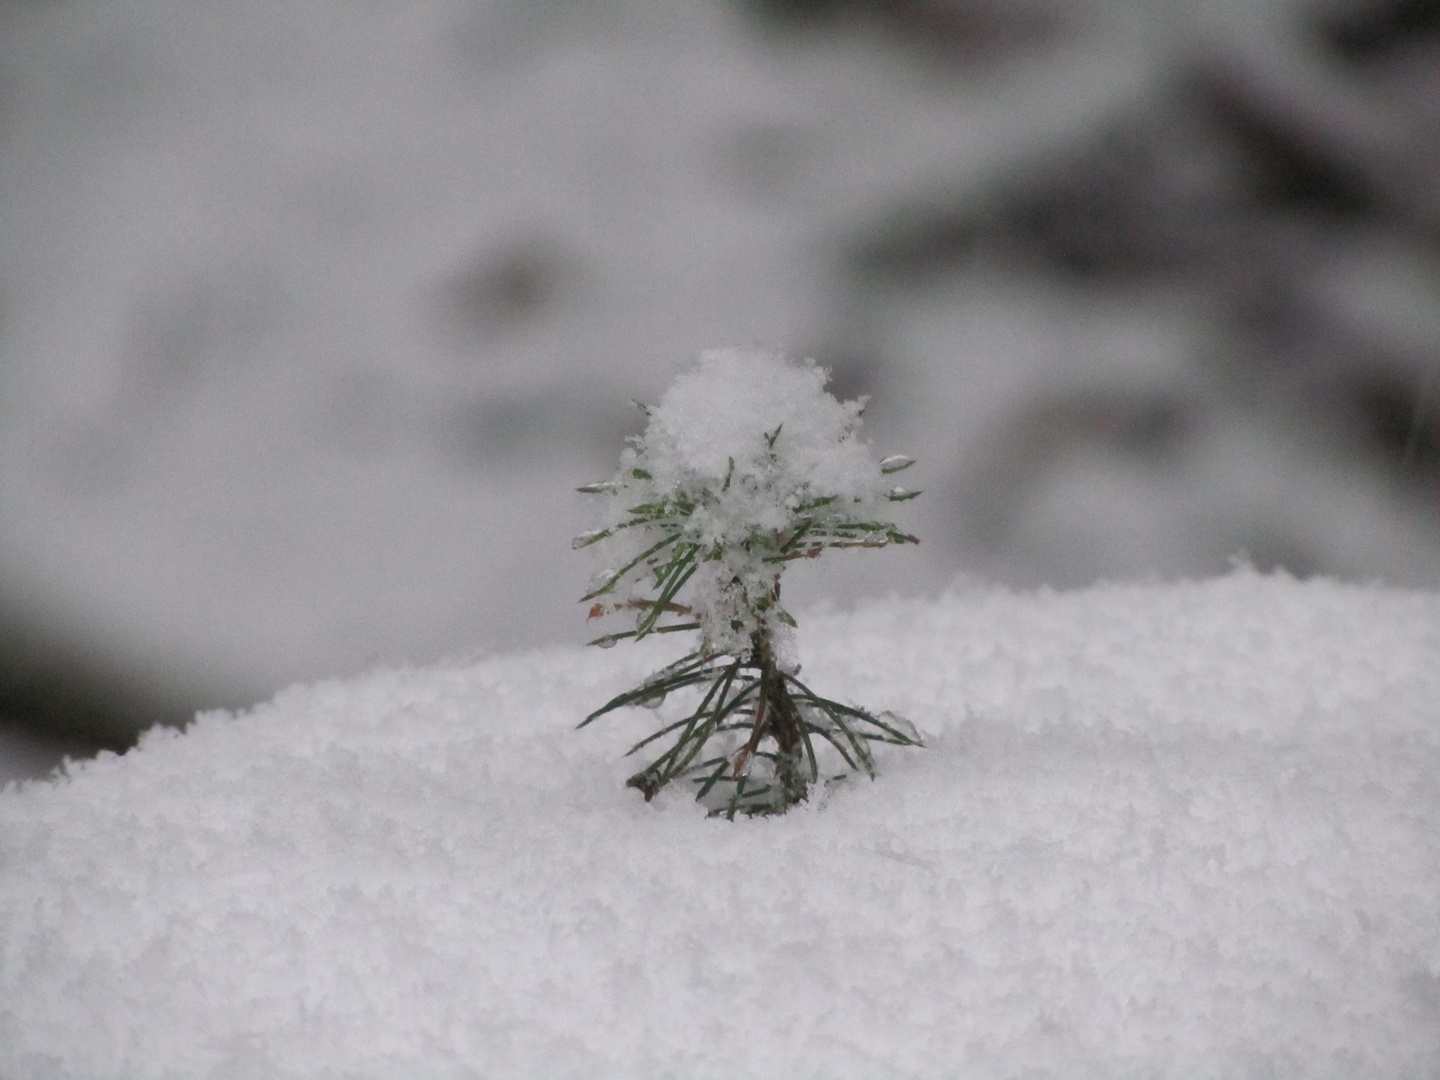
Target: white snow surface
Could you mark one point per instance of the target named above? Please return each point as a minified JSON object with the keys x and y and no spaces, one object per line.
{"x":1158,"y":830}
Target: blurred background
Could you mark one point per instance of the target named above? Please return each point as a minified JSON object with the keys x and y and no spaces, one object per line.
{"x":312,"y":316}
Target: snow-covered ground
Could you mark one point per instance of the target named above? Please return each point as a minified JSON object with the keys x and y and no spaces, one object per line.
{"x":1158,"y":831}
{"x":314,"y":315}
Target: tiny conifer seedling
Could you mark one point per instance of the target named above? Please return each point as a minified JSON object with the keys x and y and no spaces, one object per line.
{"x":746,"y":464}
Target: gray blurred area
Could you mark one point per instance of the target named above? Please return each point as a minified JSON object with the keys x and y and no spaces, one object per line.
{"x":313,"y":316}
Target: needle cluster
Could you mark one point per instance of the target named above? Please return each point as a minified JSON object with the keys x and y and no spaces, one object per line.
{"x":745,"y":465}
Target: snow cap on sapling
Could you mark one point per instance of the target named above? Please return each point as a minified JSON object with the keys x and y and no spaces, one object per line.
{"x":746,"y":464}
{"x":757,"y":464}
{"x":724,"y":408}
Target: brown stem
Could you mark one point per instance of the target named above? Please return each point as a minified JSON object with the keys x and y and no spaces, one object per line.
{"x":756,"y":731}
{"x":601,"y":609}
{"x":777,"y":717}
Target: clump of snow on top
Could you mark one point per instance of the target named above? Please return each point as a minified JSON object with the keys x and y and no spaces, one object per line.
{"x":745,"y":455}
{"x":722,"y":409}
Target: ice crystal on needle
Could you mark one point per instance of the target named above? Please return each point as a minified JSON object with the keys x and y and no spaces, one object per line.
{"x":746,"y":464}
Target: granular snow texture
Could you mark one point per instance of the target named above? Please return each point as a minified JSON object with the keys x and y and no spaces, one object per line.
{"x":1158,"y":831}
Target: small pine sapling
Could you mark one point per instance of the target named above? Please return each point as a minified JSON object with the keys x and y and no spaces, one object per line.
{"x":746,"y":464}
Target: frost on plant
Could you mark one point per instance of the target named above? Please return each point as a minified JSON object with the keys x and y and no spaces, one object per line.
{"x":746,"y":464}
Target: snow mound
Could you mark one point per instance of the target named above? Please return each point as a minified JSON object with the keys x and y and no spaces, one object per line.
{"x":1159,"y":831}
